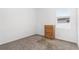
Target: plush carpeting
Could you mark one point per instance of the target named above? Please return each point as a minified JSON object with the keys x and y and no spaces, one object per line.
{"x":37,"y":42}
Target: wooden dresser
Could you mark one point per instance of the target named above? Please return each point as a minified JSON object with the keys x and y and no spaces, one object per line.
{"x":49,"y":31}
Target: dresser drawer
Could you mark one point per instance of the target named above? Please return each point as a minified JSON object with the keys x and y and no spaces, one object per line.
{"x":48,"y":30}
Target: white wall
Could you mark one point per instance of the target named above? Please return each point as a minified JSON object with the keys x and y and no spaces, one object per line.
{"x":78,"y":25}
{"x":44,"y":16}
{"x":48,"y":16}
{"x":16,"y":23}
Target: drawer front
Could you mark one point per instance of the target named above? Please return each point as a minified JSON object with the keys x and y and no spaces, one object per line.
{"x":48,"y":34}
{"x":48,"y":30}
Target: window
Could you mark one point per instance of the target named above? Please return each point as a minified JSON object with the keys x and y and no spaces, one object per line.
{"x":63,"y":19}
{"x":63,"y":15}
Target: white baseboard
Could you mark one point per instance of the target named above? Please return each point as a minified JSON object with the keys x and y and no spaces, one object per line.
{"x":67,"y":40}
{"x":14,"y":39}
{"x":62,"y":39}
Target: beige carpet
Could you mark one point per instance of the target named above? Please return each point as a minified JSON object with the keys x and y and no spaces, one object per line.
{"x":37,"y":42}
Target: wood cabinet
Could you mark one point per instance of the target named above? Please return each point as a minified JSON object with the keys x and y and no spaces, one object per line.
{"x":49,"y":31}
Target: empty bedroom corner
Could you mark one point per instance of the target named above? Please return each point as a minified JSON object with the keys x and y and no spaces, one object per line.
{"x":39,"y":28}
